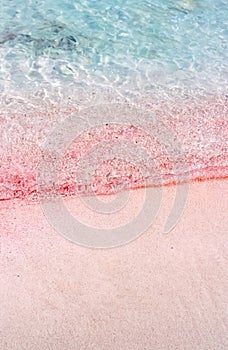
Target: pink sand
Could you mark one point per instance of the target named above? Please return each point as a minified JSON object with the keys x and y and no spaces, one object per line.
{"x":158,"y":292}
{"x":195,"y":127}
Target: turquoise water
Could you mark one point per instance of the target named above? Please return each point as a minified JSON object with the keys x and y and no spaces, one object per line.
{"x":129,"y":46}
{"x":167,"y":56}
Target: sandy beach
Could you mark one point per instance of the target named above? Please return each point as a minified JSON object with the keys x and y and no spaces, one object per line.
{"x":161,"y":291}
{"x":113,"y":175}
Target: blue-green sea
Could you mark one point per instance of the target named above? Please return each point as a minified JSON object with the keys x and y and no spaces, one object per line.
{"x":129,"y":46}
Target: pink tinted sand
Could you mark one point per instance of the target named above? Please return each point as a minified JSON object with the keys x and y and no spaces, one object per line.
{"x":199,"y":125}
{"x":158,"y":292}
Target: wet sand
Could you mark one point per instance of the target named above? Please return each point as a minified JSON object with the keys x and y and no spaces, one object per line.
{"x":161,"y":291}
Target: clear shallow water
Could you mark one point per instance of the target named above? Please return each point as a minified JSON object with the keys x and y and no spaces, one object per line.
{"x":131,"y":45}
{"x":57,"y":56}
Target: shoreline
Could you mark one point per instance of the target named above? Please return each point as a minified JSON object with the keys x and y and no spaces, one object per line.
{"x":127,"y":147}
{"x":33,"y":197}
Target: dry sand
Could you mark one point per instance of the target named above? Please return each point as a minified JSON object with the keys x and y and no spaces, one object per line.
{"x":158,"y":292}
